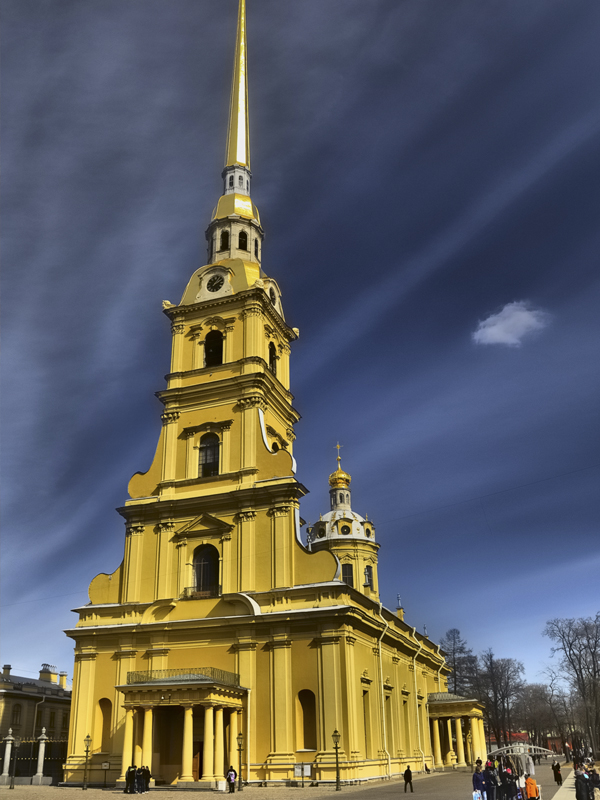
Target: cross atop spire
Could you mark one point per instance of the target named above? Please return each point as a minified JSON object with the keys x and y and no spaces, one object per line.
{"x":339,"y":458}
{"x":238,"y":139}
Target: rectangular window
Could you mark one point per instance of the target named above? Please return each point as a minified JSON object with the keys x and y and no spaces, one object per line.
{"x":38,"y":718}
{"x":65,"y":721}
{"x":52,"y":723}
{"x":369,"y":576}
{"x":347,"y":574}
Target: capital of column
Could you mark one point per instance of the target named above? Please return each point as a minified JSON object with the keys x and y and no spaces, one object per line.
{"x":169,"y":416}
{"x":279,"y":511}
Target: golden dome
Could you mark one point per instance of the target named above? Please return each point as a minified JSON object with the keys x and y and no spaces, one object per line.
{"x":339,"y":479}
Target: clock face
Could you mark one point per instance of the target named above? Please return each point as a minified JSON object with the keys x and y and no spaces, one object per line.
{"x":215,"y":283}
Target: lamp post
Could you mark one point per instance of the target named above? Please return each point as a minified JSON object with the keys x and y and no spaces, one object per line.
{"x":240,"y":741}
{"x":336,"y":743}
{"x":87,"y":742}
{"x":16,"y":745}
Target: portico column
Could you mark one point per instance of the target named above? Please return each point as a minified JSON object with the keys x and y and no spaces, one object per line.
{"x":460,"y":748}
{"x":187,"y":750}
{"x":7,"y":750}
{"x":437,"y":750}
{"x":233,"y":732}
{"x":147,"y":739}
{"x":219,"y":753}
{"x":475,"y":739}
{"x":482,"y":738}
{"x":127,"y":743}
{"x":208,"y":749}
{"x":450,"y":750}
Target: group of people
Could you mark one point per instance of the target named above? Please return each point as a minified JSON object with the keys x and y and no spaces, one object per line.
{"x":137,"y":780}
{"x":587,"y":782}
{"x":499,"y":780}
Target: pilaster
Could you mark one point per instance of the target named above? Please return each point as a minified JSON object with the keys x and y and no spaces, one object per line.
{"x":246,"y":521}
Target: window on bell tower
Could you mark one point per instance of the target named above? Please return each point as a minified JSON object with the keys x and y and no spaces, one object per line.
{"x":231,"y":181}
{"x":213,"y":349}
{"x":369,"y":576}
{"x":209,"y":455}
{"x":224,"y":240}
{"x":243,"y":240}
{"x":272,"y":358}
{"x":256,"y":248}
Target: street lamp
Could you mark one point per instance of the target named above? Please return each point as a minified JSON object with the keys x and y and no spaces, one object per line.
{"x":16,"y":745}
{"x":336,"y":743}
{"x":87,"y":742}
{"x":240,"y":741}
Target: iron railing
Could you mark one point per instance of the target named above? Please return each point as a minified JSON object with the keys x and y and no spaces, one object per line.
{"x":192,"y":593}
{"x":185,"y":675}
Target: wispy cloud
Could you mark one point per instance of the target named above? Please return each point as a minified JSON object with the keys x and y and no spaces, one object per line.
{"x":510,"y":324}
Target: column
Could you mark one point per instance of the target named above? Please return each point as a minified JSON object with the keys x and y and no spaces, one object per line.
{"x":133,"y":560}
{"x":280,"y":550}
{"x":191,"y":456}
{"x":460,"y":749}
{"x":147,"y":740}
{"x":246,"y":520}
{"x":437,"y":750}
{"x":137,"y":737}
{"x":7,"y":750}
{"x":226,"y":449}
{"x":475,"y":738}
{"x":164,"y":559}
{"x":187,"y":753}
{"x":281,"y":706}
{"x":82,"y":711}
{"x":169,"y":419}
{"x":198,"y":352}
{"x":208,"y":752}
{"x":127,"y":743}
{"x":450,"y":751}
{"x":482,"y":741}
{"x":219,"y":754}
{"x":233,"y":732}
{"x":177,"y":329}
{"x":352,"y":697}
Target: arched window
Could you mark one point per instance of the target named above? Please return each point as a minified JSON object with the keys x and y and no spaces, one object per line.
{"x":272,"y":358}
{"x":348,"y":499}
{"x":347,"y":574}
{"x":231,"y":181}
{"x":241,"y":182}
{"x":16,"y":714}
{"x":341,"y":498}
{"x":209,"y":455}
{"x":206,"y":571}
{"x":224,"y":240}
{"x":213,"y":349}
{"x":306,"y":729}
{"x":243,"y":240}
{"x":369,"y":576}
{"x":103,"y":722}
{"x":256,"y":248}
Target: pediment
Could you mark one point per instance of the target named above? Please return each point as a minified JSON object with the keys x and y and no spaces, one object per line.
{"x":203,"y":525}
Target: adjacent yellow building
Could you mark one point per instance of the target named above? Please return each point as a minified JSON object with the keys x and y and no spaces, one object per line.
{"x":222,"y":633}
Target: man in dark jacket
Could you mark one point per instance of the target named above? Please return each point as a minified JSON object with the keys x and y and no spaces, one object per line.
{"x":130,"y":780}
{"x":408,"y":779}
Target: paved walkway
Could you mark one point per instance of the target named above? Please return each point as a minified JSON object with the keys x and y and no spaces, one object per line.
{"x":438,"y":786}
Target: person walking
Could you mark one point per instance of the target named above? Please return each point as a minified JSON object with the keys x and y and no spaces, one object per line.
{"x":557,"y":773}
{"x":408,"y":779}
{"x":479,"y":784}
{"x":230,"y":778}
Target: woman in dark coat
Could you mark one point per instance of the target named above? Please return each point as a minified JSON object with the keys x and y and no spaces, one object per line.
{"x":479,"y":784}
{"x":557,"y":773}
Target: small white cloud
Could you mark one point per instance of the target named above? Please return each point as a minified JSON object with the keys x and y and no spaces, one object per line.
{"x":511,"y":324}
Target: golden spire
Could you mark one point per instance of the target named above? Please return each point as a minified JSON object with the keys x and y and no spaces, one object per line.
{"x":339,"y":479}
{"x":238,"y":139}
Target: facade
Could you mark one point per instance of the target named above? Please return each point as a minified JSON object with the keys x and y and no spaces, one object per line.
{"x":222,"y":636}
{"x":34,"y":713}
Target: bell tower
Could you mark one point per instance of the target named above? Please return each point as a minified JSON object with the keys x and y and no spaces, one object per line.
{"x":350,"y":537}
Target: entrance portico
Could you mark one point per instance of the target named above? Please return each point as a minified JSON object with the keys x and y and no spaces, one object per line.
{"x":457,"y":733}
{"x":182,"y":724}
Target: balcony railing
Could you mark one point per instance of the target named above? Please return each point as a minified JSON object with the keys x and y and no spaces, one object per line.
{"x":192,"y":593}
{"x":185,"y":675}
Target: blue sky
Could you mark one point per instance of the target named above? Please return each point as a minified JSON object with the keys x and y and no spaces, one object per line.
{"x":428,"y":178}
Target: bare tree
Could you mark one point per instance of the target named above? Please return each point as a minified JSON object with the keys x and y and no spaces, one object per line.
{"x":461,"y":659}
{"x":498,"y":686}
{"x":578,"y":644}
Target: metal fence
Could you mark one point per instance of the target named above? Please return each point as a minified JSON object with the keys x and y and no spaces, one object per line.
{"x":24,"y":758}
{"x":185,"y":675}
{"x":191,"y":593}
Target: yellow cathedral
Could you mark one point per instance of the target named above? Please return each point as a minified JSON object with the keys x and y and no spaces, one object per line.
{"x":222,"y":638}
